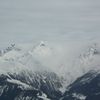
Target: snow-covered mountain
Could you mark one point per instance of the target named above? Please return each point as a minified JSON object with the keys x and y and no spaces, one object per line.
{"x":30,"y":86}
{"x":39,"y":72}
{"x":23,"y":76}
{"x":26,"y":58}
{"x":40,"y":56}
{"x":86,"y":87}
{"x":44,"y":56}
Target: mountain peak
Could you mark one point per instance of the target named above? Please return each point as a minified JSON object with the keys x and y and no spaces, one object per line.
{"x":6,"y":50}
{"x":43,"y":43}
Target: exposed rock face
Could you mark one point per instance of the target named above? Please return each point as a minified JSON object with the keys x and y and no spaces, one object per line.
{"x":26,"y":86}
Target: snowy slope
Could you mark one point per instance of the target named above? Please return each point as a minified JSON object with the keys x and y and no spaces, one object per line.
{"x":23,"y":72}
{"x":35,"y":58}
{"x":44,"y":56}
{"x":30,"y":86}
{"x":84,"y":88}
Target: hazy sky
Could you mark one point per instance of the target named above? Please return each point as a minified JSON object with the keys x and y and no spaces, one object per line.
{"x":26,"y":20}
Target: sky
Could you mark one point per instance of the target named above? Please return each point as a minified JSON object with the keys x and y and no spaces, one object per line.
{"x":29,"y":20}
